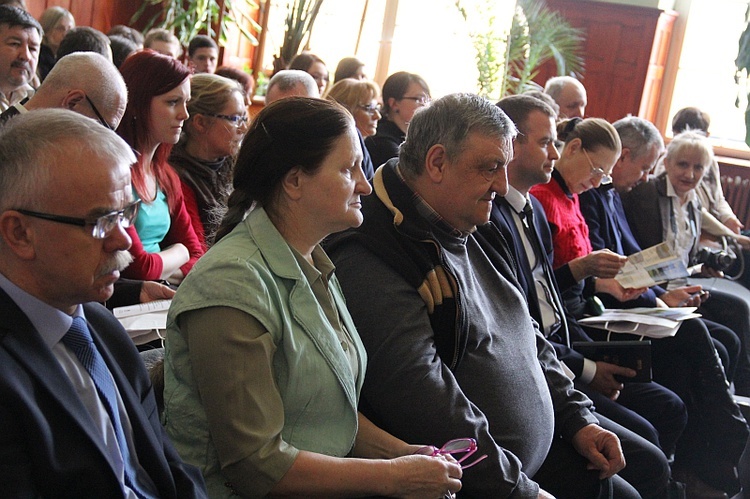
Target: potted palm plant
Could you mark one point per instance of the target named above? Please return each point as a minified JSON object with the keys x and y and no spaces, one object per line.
{"x":743,"y":69}
{"x":187,"y":18}
{"x":300,"y":18}
{"x":508,"y":61}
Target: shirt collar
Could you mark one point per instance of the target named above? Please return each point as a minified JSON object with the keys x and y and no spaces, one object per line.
{"x":691,"y":196}
{"x":557,"y":177}
{"x":323,"y":267}
{"x":50,"y":322}
{"x":432,"y":216}
{"x":515,"y":199}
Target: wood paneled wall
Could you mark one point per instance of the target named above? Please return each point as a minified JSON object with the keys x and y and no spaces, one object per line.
{"x":99,"y":14}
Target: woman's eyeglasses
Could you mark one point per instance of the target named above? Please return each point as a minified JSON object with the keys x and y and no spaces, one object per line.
{"x":235,"y":119}
{"x":597,"y":172}
{"x":420,"y":101}
{"x":460,"y":448}
{"x":370,"y":108}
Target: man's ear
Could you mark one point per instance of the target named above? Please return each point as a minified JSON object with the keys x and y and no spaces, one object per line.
{"x":292,"y":183}
{"x":73,"y":98}
{"x":17,"y":235}
{"x":625,"y":154}
{"x":435,"y":162}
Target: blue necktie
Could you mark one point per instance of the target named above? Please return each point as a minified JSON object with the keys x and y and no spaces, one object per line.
{"x":78,"y":339}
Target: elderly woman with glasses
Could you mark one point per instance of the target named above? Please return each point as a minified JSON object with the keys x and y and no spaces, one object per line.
{"x":403,"y":94}
{"x":204,"y":156}
{"x":361,"y":99}
{"x":591,"y":149}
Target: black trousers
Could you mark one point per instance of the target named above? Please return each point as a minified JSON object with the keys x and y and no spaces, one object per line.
{"x":650,"y":410}
{"x":564,"y":475}
{"x":716,"y":432}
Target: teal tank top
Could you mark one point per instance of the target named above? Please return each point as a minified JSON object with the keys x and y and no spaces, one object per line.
{"x":153,"y":222}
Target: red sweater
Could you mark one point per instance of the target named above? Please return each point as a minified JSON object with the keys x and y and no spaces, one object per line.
{"x":570,"y":234}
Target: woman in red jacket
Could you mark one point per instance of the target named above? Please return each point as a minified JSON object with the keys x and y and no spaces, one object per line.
{"x":164,"y":243}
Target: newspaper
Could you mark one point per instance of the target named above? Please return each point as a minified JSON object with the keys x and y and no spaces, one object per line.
{"x":652,"y":266}
{"x":144,"y":321}
{"x":650,"y":322}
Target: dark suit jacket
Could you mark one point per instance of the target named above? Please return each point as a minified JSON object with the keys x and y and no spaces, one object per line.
{"x":647,"y":208}
{"x":48,"y":446}
{"x":609,"y":228}
{"x":502,"y":216}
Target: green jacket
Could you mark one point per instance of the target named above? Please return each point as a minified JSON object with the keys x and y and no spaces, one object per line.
{"x":254,"y":270}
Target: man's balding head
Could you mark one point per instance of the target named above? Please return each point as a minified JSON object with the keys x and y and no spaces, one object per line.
{"x":569,"y":94}
{"x":80,"y":75}
{"x":291,"y":83}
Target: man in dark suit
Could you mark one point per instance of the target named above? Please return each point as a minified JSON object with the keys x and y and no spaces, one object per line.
{"x":78,"y":416}
{"x":648,"y":409}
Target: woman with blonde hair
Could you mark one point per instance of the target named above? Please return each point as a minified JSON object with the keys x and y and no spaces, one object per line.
{"x":204,"y":156}
{"x":56,"y":22}
{"x":360,"y":98}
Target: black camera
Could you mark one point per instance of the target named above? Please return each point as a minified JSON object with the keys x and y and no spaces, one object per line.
{"x":713,"y":258}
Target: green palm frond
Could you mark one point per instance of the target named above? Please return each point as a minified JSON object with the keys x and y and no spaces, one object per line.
{"x":743,"y":70}
{"x":508,"y":63}
{"x":300,"y":18}
{"x":544,"y":35}
{"x":188,"y":18}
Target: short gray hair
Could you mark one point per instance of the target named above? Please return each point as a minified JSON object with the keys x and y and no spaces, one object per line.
{"x":555,"y":85}
{"x":690,"y":140}
{"x":287,"y":79}
{"x":94,"y":74}
{"x":638,"y":135}
{"x":449,"y":121}
{"x":32,"y":143}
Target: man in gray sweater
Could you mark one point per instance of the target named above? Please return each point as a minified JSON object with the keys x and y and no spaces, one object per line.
{"x":452,"y":350}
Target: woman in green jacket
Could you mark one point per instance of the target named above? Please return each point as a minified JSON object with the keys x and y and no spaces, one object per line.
{"x":263,"y":362}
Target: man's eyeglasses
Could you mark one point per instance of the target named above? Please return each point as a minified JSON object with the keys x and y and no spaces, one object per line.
{"x":370,"y":108}
{"x":420,"y":101}
{"x":234,"y":119}
{"x":101,"y":227}
{"x":455,"y":447}
{"x":98,"y":114}
{"x":597,"y":172}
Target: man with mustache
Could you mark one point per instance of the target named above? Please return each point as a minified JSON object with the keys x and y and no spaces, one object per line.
{"x":20,"y":37}
{"x":78,"y":416}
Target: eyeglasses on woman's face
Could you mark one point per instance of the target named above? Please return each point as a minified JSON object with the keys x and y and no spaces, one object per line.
{"x":597,"y":172}
{"x":371,"y":108}
{"x":236,"y":120}
{"x":420,"y":100}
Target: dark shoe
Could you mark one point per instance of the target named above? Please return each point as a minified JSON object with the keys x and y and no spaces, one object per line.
{"x":697,"y":488}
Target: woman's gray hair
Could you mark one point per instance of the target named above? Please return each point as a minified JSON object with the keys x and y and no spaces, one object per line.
{"x":690,"y":140}
{"x":33,"y":143}
{"x":449,"y":121}
{"x":51,"y":17}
